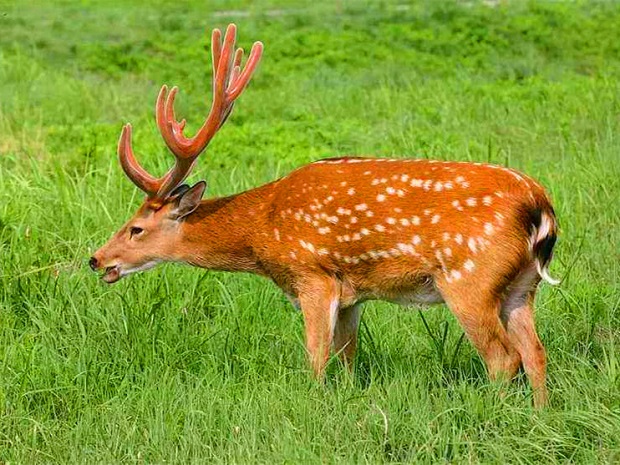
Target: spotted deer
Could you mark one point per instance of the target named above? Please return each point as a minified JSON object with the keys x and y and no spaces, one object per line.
{"x":338,"y":232}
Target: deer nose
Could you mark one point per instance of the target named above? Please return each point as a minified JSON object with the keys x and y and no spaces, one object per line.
{"x":93,"y":263}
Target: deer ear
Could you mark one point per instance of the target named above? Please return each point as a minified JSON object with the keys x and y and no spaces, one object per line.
{"x":188,"y":201}
{"x":183,"y":188}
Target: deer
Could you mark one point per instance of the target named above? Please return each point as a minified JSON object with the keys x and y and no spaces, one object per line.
{"x":341,"y":231}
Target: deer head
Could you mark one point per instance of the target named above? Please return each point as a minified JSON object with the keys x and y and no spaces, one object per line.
{"x":149,"y":237}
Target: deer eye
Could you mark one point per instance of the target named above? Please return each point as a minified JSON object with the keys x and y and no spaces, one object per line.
{"x":134,"y":231}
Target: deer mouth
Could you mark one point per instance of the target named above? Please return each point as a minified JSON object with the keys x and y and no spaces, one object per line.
{"x":111,"y":274}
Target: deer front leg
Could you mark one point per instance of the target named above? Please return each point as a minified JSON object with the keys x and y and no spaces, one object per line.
{"x":319,"y":298}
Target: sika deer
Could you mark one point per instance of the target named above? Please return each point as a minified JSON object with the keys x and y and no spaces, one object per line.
{"x":338,"y":232}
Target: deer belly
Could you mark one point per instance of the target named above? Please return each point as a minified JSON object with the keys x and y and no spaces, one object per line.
{"x":420,"y":297}
{"x":420,"y":294}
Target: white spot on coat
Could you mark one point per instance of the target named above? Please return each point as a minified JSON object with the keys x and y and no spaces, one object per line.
{"x":471,"y":243}
{"x":406,"y":248}
{"x":307,"y":245}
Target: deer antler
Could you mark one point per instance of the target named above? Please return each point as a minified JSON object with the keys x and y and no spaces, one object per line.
{"x":229,"y":81}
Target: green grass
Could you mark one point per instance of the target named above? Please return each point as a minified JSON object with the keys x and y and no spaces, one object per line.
{"x":182,"y":365}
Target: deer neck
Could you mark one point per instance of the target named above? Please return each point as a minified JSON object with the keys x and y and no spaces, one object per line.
{"x":218,"y":235}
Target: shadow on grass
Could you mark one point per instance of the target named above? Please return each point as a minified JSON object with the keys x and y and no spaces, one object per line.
{"x":441,"y":365}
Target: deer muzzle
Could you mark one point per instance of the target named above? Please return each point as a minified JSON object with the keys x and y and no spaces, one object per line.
{"x":111,"y":273}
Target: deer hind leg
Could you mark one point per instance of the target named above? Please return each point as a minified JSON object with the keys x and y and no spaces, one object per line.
{"x":518,"y":316}
{"x":345,"y":334}
{"x":478,"y":312}
{"x":319,"y":298}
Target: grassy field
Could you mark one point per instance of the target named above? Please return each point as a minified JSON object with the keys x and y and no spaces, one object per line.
{"x":184,"y":365}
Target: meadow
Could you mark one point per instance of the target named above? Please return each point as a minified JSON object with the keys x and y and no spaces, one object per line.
{"x":184,"y":365}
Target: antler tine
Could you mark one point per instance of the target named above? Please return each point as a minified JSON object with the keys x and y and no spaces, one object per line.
{"x":138,"y":175}
{"x":238,"y":57}
{"x":162,"y":116}
{"x":216,"y":51}
{"x":248,"y":71}
{"x":221,"y":78}
{"x":236,"y":70}
{"x":239,"y":81}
